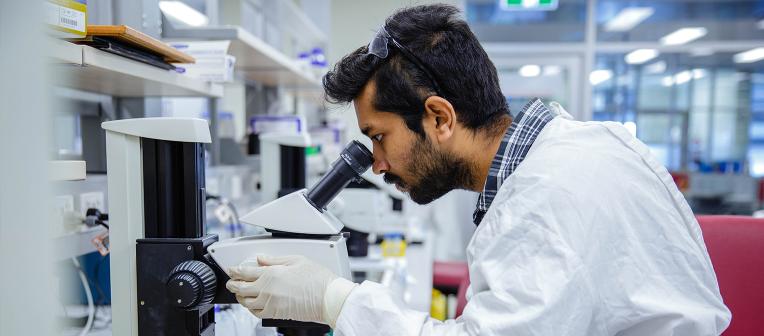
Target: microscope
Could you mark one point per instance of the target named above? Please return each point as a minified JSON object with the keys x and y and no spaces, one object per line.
{"x":166,"y":273}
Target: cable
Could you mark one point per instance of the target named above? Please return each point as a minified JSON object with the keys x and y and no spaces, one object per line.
{"x":88,"y":295}
{"x":100,"y":222}
{"x":94,"y":217}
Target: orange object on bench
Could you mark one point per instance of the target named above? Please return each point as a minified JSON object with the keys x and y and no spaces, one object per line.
{"x":138,"y":39}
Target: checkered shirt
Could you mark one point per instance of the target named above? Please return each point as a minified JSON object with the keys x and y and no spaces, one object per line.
{"x":517,"y":140}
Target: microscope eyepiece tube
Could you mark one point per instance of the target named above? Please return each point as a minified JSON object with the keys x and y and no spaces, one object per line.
{"x":354,"y":160}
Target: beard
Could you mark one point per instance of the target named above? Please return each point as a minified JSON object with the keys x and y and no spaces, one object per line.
{"x":434,"y":173}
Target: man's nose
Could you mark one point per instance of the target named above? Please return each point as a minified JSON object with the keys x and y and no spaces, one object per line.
{"x":380,"y":165}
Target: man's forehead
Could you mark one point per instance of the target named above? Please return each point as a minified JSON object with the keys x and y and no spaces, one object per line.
{"x":364,"y":106}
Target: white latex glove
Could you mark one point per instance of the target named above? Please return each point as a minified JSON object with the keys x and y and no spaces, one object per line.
{"x":290,"y":288}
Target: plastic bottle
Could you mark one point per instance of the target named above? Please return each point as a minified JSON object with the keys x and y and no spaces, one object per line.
{"x":393,"y":245}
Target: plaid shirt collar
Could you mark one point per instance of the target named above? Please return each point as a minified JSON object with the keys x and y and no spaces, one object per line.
{"x":517,"y":140}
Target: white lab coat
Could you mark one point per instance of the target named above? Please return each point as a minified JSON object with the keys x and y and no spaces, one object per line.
{"x":589,"y":236}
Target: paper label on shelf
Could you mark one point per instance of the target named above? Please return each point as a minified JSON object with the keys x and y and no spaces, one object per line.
{"x":67,"y":15}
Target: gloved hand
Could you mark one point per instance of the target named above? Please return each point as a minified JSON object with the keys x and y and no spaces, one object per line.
{"x":290,"y":288}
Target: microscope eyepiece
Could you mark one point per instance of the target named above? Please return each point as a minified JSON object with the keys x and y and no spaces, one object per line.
{"x":354,"y":160}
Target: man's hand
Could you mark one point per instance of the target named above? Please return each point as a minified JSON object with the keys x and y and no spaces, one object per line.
{"x":291,"y":288}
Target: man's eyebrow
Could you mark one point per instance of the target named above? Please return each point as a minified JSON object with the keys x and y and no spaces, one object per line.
{"x":366,"y":130}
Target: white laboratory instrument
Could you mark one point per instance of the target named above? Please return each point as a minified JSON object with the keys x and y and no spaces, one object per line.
{"x":167,"y":273}
{"x":299,"y":223}
{"x":282,"y":163}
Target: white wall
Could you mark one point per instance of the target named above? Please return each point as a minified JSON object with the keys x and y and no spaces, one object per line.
{"x":27,"y":284}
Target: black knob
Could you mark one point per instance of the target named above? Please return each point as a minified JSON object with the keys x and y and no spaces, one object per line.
{"x":191,"y":284}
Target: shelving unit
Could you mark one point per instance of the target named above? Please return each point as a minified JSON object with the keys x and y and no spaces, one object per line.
{"x":89,"y":69}
{"x":66,"y":170}
{"x":63,"y":52}
{"x":255,"y":59}
{"x":76,"y":243}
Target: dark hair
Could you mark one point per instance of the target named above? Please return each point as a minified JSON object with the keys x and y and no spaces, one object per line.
{"x":443,"y":41}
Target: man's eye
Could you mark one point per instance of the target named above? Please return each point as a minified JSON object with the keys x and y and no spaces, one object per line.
{"x":377,"y":138}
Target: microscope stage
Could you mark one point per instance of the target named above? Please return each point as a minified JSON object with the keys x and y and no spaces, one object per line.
{"x":331,"y":252}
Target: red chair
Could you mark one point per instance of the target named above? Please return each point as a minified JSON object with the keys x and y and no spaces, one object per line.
{"x":452,"y":278}
{"x":449,"y":274}
{"x":461,"y":296}
{"x":736,"y":247}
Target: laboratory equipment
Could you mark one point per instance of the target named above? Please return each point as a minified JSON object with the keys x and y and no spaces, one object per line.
{"x":282,"y":163}
{"x":299,"y":222}
{"x":270,"y":124}
{"x":167,"y":273}
{"x":368,"y":212}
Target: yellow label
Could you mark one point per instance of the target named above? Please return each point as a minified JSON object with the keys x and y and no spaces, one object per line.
{"x":393,"y":248}
{"x":67,"y":16}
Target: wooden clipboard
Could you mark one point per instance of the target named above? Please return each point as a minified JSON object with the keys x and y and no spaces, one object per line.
{"x":133,"y":37}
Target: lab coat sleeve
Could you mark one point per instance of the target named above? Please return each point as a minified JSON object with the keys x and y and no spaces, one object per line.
{"x":525,"y":281}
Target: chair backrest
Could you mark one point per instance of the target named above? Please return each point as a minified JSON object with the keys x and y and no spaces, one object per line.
{"x":736,"y":247}
{"x":461,"y":296}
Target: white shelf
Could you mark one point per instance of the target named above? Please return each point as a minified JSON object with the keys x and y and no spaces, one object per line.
{"x":101,"y":72}
{"x":77,"y":243}
{"x":255,"y":59}
{"x":66,"y":52}
{"x":63,"y":170}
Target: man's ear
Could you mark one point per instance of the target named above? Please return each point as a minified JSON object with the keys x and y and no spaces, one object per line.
{"x":439,"y":118}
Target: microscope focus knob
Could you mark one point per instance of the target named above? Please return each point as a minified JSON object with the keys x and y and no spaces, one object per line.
{"x":191,"y":284}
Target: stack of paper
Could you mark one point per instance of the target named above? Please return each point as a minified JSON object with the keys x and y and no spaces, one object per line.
{"x":212,"y":60}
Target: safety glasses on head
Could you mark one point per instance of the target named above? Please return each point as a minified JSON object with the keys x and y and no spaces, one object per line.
{"x":379,"y":48}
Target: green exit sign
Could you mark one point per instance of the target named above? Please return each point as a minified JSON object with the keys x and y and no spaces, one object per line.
{"x":528,"y":5}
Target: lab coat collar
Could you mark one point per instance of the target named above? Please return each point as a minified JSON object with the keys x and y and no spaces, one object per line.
{"x":515,"y":144}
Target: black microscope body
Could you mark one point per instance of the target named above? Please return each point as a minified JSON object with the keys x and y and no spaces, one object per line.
{"x":178,"y":283}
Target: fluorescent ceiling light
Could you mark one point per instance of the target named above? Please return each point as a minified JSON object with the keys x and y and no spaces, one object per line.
{"x":749,"y":56}
{"x":684,"y":35}
{"x":183,"y":13}
{"x":628,"y":18}
{"x":552,"y":70}
{"x":530,"y":70}
{"x":640,"y":56}
{"x":656,"y":68}
{"x":682,"y":77}
{"x":597,"y":77}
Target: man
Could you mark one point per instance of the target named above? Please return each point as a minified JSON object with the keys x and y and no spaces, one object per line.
{"x":580,"y":230}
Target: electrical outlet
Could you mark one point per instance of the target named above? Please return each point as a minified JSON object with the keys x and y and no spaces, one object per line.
{"x":64,"y":204}
{"x":92,"y":200}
